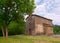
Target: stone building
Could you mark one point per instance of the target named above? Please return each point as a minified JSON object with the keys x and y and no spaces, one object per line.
{"x":38,"y":26}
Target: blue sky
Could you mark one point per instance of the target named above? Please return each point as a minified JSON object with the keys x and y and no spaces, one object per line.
{"x":48,"y":9}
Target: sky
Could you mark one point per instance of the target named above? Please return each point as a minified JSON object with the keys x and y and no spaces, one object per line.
{"x":49,"y":9}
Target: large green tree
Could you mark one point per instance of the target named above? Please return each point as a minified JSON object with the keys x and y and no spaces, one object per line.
{"x":2,"y":21}
{"x":11,"y":10}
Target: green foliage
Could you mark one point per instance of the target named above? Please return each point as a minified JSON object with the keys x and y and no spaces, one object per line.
{"x":10,"y":10}
{"x":16,"y":28}
{"x":30,"y":6}
{"x":14,"y":10}
{"x":56,"y":29}
{"x":22,"y":27}
{"x":13,"y":26}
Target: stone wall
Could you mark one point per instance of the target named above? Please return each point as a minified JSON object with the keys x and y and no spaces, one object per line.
{"x":38,"y":25}
{"x":45,"y":25}
{"x":30,"y":26}
{"x":42,"y":20}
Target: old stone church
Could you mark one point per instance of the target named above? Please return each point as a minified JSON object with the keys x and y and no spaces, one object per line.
{"x":38,"y":26}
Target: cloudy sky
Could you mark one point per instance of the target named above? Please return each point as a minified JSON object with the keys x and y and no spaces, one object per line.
{"x":48,"y":9}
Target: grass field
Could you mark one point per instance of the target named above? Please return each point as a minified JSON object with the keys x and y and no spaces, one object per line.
{"x":30,"y":39}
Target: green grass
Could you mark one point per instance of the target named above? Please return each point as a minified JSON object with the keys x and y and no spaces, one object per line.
{"x":30,"y":39}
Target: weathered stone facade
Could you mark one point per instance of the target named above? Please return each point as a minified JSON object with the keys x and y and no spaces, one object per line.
{"x":38,"y":26}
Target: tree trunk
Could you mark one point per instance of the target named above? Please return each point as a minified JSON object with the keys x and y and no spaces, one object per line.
{"x":7,"y":31}
{"x":3,"y":30}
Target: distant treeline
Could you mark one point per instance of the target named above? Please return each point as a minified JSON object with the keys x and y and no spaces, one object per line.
{"x":56,"y":29}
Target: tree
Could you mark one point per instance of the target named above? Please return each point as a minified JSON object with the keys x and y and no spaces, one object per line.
{"x":13,"y":9}
{"x":30,"y":9}
{"x":2,"y":22}
{"x":56,"y":29}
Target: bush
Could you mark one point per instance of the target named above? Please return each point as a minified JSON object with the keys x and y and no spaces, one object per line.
{"x":16,"y":28}
{"x":56,"y":29}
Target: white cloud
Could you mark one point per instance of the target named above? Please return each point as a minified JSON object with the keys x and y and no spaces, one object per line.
{"x":36,"y":1}
{"x":57,"y":1}
{"x":55,"y":11}
{"x":54,"y":17}
{"x":40,"y":10}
